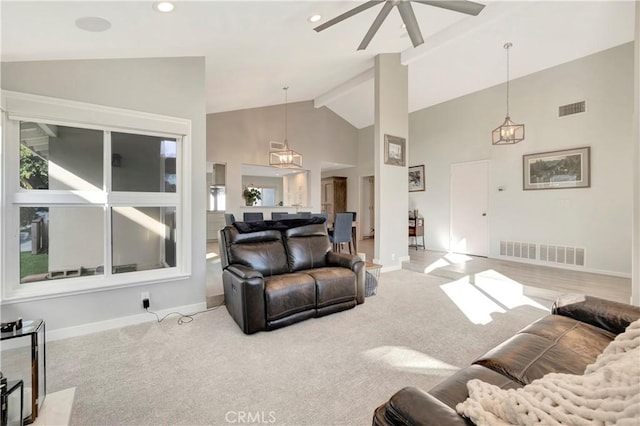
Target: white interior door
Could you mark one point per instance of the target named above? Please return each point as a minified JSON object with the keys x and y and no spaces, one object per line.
{"x":469,"y":201}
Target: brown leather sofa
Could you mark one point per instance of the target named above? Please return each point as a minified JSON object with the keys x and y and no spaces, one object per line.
{"x":577,"y":331}
{"x":277,"y":273}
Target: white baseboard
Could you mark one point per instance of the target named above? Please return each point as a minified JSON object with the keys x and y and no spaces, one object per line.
{"x":94,"y":327}
{"x":564,"y":266}
{"x":390,"y":268}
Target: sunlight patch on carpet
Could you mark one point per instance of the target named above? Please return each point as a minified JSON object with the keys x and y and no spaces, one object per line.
{"x":506,"y":291}
{"x":471,"y":301}
{"x":409,"y":360}
{"x":485,"y":293}
{"x":56,"y":409}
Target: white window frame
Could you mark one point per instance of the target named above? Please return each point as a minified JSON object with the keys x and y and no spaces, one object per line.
{"x":18,"y":107}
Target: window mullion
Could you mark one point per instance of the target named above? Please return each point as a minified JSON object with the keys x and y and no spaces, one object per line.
{"x":108,"y":234}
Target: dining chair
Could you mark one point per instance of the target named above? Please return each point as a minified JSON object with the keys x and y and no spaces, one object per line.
{"x":342,"y":231}
{"x":252,"y":216}
{"x":229,"y":218}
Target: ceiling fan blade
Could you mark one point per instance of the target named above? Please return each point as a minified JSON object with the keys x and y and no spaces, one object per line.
{"x":462,"y":6}
{"x":348,"y":14}
{"x":411,"y":23}
{"x":376,"y":25}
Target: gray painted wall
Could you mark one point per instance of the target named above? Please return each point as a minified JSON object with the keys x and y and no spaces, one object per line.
{"x":597,"y":218}
{"x":168,"y":86}
{"x":238,"y":137}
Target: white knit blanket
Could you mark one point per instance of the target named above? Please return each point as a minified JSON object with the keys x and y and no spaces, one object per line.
{"x":607,"y":393}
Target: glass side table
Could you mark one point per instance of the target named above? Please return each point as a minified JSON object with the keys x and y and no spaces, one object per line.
{"x":11,"y":413}
{"x":15,"y":358}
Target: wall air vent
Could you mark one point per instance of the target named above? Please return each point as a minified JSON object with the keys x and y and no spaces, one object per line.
{"x":571,"y":109}
{"x":561,"y":254}
{"x":518,"y":249}
{"x":575,"y":256}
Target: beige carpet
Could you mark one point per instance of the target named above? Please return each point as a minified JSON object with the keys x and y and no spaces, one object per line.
{"x":333,"y":370}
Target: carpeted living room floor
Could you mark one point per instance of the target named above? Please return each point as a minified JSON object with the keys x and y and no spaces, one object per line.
{"x":333,"y":370}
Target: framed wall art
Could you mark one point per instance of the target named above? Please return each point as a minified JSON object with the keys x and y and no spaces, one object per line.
{"x":394,"y":150}
{"x":416,"y":178}
{"x":567,"y":168}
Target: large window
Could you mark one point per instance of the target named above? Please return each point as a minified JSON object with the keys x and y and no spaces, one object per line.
{"x":90,"y":205}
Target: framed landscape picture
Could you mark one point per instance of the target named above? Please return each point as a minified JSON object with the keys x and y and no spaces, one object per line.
{"x":394,"y":150}
{"x":568,"y":168}
{"x":416,"y":178}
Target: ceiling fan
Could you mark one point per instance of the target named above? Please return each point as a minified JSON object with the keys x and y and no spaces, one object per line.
{"x":406,"y":12}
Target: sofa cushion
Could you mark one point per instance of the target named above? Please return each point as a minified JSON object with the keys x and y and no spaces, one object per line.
{"x":288,"y":294}
{"x":263,"y":251}
{"x":453,"y":389}
{"x":566,"y":346}
{"x":333,"y":285}
{"x":564,"y":329}
{"x":307,"y":246}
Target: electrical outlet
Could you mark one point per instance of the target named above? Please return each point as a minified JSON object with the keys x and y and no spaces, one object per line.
{"x":145,"y":296}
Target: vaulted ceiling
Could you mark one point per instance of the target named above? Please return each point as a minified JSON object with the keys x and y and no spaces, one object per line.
{"x":254,"y":48}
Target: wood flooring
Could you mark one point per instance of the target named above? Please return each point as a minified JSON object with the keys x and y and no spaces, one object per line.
{"x":541,"y":281}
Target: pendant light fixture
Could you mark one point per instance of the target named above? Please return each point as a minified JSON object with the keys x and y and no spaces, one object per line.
{"x":508,"y":133}
{"x":285,"y":158}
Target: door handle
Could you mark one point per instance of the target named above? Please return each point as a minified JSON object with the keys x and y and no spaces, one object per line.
{"x":484,"y":214}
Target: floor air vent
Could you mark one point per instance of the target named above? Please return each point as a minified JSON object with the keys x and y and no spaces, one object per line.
{"x":574,"y":108}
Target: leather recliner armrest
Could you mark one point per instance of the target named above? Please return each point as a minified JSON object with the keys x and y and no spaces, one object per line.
{"x":413,"y":406}
{"x":612,"y":316}
{"x":342,"y":259}
{"x":244,"y":297}
{"x":354,"y":263}
{"x":244,"y":272}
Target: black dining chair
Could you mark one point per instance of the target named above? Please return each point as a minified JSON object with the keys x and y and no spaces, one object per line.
{"x":252,"y":216}
{"x":229,"y":218}
{"x":342,"y":232}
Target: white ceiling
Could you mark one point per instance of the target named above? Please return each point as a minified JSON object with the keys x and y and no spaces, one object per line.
{"x":254,"y":48}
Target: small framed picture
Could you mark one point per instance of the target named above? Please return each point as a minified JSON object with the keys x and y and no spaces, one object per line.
{"x":416,"y":178}
{"x":568,"y":168}
{"x":394,"y":150}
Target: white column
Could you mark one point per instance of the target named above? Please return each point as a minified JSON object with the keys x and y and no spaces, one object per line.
{"x":391,"y":181}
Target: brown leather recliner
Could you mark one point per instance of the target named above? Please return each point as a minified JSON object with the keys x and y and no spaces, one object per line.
{"x":577,"y":331}
{"x":276,"y":273}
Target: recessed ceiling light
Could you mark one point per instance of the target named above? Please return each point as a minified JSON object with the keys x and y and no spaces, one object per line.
{"x":163,"y":6}
{"x":314,"y":18}
{"x":93,"y":24}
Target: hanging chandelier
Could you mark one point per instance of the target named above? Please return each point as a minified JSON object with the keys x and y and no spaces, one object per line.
{"x":508,"y":133}
{"x":285,"y":158}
